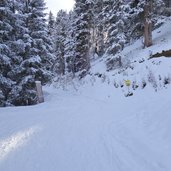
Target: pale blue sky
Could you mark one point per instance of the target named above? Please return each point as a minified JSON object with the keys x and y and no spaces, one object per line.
{"x":56,"y":5}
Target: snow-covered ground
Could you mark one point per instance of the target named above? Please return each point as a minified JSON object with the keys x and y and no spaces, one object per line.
{"x":91,"y":125}
{"x":93,"y":129}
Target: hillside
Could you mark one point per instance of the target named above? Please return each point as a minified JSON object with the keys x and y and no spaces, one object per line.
{"x":137,"y":64}
{"x":90,"y":125}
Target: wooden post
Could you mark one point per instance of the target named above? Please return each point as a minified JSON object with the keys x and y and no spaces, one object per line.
{"x":39,"y":92}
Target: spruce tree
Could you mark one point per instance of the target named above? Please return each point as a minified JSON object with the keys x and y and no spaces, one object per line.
{"x":135,"y":22}
{"x":98,"y":28}
{"x":23,"y":93}
{"x":82,"y":39}
{"x":35,"y":52}
{"x":116,"y":35}
{"x":51,"y":24}
{"x":59,"y":43}
{"x":140,"y":16}
{"x":41,"y":43}
{"x":69,"y":45}
{"x":6,"y":58}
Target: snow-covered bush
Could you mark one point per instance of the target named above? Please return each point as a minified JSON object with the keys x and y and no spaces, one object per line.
{"x":121,"y":84}
{"x":143,"y":83}
{"x":152,"y":79}
{"x":115,"y":84}
{"x":92,"y":80}
{"x":135,"y":85}
{"x":103,"y":78}
{"x":166,"y":80}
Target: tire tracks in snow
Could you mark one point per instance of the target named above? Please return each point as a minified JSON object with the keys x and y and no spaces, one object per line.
{"x":128,"y":153}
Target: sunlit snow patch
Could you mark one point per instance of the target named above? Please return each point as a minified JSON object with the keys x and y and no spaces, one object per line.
{"x":15,"y":141}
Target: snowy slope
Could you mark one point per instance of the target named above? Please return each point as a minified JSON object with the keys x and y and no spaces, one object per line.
{"x":91,"y":125}
{"x":136,"y":64}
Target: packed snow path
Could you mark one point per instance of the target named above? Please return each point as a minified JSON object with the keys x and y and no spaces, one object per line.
{"x":94,"y":131}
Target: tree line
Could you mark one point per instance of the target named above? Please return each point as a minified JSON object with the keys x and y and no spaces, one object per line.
{"x":98,"y":28}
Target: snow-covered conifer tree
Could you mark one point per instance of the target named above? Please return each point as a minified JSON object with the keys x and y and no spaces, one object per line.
{"x":69,"y":44}
{"x":82,"y":37}
{"x":23,"y":93}
{"x":51,"y":24}
{"x":98,"y":28}
{"x":60,"y":36}
{"x":42,"y":47}
{"x":115,"y":33}
{"x":32,"y":48}
{"x":6,"y":61}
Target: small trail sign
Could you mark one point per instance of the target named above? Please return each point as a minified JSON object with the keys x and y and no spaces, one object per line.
{"x":127,"y":83}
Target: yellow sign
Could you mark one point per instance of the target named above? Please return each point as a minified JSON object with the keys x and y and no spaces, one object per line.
{"x":127,"y":83}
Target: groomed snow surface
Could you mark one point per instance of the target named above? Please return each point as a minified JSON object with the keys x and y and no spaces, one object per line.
{"x":91,"y":126}
{"x":93,"y":129}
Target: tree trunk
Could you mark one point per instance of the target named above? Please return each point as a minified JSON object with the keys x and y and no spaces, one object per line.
{"x":147,"y":24}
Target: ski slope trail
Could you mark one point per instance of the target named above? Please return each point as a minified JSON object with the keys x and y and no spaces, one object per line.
{"x":89,"y":131}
